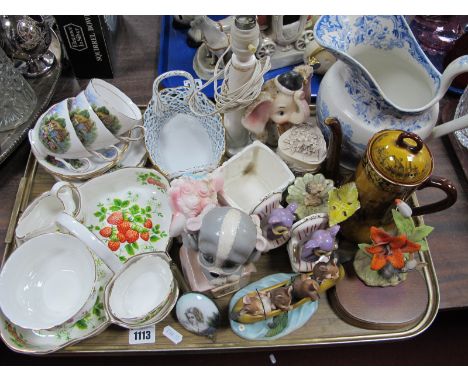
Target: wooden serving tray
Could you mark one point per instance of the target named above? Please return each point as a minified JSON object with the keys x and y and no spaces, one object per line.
{"x":325,"y":327}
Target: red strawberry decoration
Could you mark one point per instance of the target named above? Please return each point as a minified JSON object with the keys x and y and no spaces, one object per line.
{"x":115,"y":218}
{"x":113,"y":245}
{"x":124,"y":226}
{"x":121,"y":237}
{"x":106,"y":232}
{"x":148,"y":224}
{"x":145,"y":236}
{"x":131,"y":235}
{"x":157,"y":183}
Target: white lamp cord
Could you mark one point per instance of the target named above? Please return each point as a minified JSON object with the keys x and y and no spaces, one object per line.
{"x":228,"y":100}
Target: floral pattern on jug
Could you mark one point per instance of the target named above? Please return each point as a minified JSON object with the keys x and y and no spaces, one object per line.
{"x":380,"y":32}
{"x":54,"y":135}
{"x":85,"y":128}
{"x":374,"y":111}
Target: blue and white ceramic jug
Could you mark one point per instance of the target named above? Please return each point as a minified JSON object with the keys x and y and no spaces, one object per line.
{"x":382,"y":80}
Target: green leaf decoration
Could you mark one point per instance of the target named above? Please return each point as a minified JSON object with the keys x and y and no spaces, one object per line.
{"x":424,"y":245}
{"x":279,"y":323}
{"x":129,"y":249}
{"x":135,"y":245}
{"x":363,"y":246}
{"x":343,"y":202}
{"x":122,"y":259}
{"x":404,"y":225}
{"x":125,"y":203}
{"x":154,"y":239}
{"x":114,"y":208}
{"x":103,"y":210}
{"x":148,"y":208}
{"x":97,"y":214}
{"x":81,"y":324}
{"x":101,"y":219}
{"x":139,"y":219}
{"x":420,"y":233}
{"x":134,"y":209}
{"x":118,"y":202}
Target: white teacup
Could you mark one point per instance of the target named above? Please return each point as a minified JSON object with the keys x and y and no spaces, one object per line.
{"x":116,"y":111}
{"x":40,"y":215}
{"x":47,"y":282}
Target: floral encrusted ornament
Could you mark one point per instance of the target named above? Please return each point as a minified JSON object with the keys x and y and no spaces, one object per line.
{"x":388,"y":259}
{"x":310,"y":193}
{"x":384,"y":262}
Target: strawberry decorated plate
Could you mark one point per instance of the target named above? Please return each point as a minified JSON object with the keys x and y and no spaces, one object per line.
{"x":128,"y":210}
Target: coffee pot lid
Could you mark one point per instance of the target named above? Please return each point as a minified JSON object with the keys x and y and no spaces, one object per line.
{"x":400,"y":156}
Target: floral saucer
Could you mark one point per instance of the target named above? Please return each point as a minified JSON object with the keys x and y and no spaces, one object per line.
{"x":47,"y":341}
{"x":128,"y":210}
{"x":134,"y":156}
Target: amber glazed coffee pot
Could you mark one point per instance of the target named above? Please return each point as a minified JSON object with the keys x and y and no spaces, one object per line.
{"x":396,"y":163}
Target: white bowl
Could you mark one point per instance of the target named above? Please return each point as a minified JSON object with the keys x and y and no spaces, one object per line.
{"x":46,"y":281}
{"x":140,"y":288}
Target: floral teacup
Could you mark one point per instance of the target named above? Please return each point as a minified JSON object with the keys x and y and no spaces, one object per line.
{"x":54,"y":134}
{"x":116,"y":111}
{"x":89,"y":128}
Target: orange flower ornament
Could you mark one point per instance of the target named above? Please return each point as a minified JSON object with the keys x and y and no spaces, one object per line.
{"x":389,"y":249}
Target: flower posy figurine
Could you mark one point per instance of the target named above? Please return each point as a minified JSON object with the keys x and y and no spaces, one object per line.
{"x":189,"y":197}
{"x":310,"y":193}
{"x":389,"y":258}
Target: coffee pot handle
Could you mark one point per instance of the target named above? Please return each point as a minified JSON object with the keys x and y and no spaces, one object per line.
{"x":443,"y":184}
{"x":334,"y":149}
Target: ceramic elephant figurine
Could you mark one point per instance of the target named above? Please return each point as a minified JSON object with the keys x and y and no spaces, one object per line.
{"x":323,"y":240}
{"x":226,"y":239}
{"x":280,"y":221}
{"x":281,"y":103}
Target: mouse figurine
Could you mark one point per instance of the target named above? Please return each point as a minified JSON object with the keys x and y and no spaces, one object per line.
{"x":328,"y":270}
{"x":281,"y":297}
{"x":304,"y":286}
{"x":257,"y":305}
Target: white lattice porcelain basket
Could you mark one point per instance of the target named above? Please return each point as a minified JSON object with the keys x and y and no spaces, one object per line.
{"x":179,"y":141}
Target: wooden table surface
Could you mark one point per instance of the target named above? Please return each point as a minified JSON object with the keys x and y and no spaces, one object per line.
{"x":137,"y":68}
